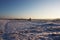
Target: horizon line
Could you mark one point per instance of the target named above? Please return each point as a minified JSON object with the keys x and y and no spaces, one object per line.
{"x":30,"y":17}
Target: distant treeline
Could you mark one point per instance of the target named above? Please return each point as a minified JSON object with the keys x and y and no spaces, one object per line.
{"x":52,"y":20}
{"x":56,"y":20}
{"x":15,"y":19}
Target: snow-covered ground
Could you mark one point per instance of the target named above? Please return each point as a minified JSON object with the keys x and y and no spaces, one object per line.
{"x":28,"y":30}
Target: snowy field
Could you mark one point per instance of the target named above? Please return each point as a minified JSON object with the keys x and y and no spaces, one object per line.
{"x":29,"y":30}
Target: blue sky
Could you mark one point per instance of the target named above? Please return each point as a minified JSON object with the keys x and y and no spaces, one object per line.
{"x":35,"y":9}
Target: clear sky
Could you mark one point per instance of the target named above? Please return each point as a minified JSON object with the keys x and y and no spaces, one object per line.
{"x":30,"y":8}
